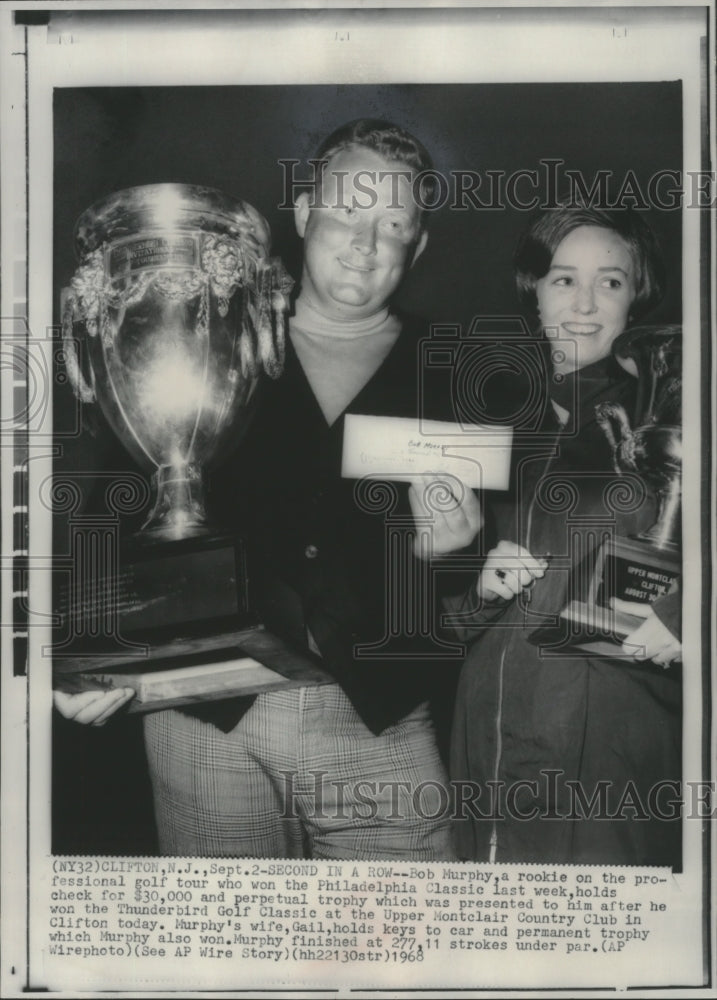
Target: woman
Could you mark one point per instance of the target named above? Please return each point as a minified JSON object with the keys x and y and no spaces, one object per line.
{"x":567,"y":757}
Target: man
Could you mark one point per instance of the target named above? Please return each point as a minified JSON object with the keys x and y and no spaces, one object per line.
{"x":350,"y":769}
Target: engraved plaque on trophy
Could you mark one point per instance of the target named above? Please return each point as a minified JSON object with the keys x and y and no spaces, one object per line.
{"x":178,"y":307}
{"x":645,"y":566}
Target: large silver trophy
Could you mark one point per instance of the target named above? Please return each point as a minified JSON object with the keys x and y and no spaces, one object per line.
{"x":176,"y":308}
{"x":645,"y":566}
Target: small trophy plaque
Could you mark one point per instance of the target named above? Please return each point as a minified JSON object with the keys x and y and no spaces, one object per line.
{"x":648,"y":565}
{"x":178,"y":307}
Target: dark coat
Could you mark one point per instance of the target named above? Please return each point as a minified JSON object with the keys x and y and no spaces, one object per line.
{"x":524,"y":716}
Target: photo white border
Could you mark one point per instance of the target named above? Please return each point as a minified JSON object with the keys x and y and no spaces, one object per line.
{"x":79,"y":49}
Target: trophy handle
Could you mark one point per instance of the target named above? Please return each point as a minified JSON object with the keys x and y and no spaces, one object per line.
{"x":84,"y":392}
{"x":607,"y":415}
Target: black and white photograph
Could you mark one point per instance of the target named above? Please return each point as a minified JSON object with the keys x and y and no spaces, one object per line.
{"x":357,"y":592}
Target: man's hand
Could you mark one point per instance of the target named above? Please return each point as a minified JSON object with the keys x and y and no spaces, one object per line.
{"x":508,"y":569}
{"x":453,"y":508}
{"x":652,"y":640}
{"x":91,"y":708}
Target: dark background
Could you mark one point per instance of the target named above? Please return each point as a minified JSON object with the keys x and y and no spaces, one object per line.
{"x":232,"y":138}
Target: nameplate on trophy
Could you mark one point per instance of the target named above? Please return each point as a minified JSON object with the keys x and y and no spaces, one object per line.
{"x":399,"y":448}
{"x":137,"y":254}
{"x":183,"y":585}
{"x":630,"y":570}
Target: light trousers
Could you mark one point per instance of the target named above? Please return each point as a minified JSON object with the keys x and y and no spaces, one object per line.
{"x":300,"y":776}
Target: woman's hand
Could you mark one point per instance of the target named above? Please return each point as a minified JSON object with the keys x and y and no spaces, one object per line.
{"x":508,"y":570}
{"x":652,"y":640}
{"x":453,"y":509}
{"x":91,"y":708}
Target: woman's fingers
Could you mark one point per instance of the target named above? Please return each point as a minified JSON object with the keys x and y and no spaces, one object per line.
{"x":637,"y":608}
{"x":509,"y":568}
{"x":652,"y":640}
{"x":510,"y":558}
{"x":499,"y":583}
{"x":668,"y":656}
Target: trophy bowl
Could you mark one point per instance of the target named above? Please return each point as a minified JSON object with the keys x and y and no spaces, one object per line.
{"x":177,"y":306}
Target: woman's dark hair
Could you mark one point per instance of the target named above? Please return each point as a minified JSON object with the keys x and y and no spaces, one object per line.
{"x":388,"y":140}
{"x":546,"y":232}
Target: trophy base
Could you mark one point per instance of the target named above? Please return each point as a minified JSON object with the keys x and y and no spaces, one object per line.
{"x":172,"y":621}
{"x":586,"y":627}
{"x":187,"y":670}
{"x":628,"y":569}
{"x":161,"y":534}
{"x":152,"y":589}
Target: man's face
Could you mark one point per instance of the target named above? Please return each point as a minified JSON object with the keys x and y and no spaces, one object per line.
{"x":362,"y":238}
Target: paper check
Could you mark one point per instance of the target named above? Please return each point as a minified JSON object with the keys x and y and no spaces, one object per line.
{"x":398,"y":448}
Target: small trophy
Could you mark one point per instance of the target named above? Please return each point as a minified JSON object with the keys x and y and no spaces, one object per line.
{"x":648,"y":565}
{"x":645,"y":566}
{"x":178,"y":307}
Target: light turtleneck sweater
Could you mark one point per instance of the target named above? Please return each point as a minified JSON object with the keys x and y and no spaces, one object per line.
{"x":339,"y":357}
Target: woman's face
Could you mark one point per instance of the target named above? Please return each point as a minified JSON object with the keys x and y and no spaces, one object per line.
{"x":585,"y":297}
